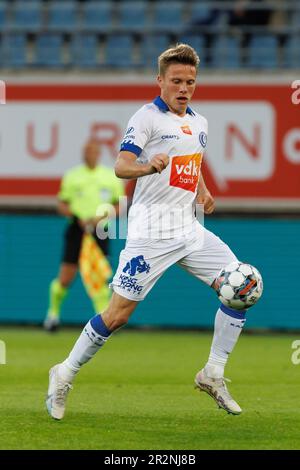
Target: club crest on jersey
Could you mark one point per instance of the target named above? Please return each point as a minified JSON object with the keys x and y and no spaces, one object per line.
{"x":136,"y":265}
{"x":203,"y":139}
{"x":185,"y":171}
{"x":186,"y":129}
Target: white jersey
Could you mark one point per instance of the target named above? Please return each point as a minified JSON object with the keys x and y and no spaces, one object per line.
{"x":163,"y":204}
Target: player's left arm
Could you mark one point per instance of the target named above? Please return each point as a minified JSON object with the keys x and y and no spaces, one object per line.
{"x":204,"y":196}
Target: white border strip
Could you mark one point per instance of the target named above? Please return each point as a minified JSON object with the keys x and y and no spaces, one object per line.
{"x":204,"y":77}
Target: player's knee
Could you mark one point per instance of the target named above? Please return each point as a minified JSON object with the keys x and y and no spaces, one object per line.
{"x":67,"y":275}
{"x":65,"y":282}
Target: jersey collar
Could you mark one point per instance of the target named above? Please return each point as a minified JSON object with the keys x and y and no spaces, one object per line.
{"x":162,"y":106}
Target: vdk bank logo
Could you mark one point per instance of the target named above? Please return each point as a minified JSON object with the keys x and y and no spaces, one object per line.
{"x":2,"y":352}
{"x":185,"y":171}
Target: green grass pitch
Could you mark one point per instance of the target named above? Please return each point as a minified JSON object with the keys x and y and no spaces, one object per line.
{"x":137,"y":393}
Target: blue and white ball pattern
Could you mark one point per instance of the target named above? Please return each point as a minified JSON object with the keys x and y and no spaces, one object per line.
{"x":239,"y":285}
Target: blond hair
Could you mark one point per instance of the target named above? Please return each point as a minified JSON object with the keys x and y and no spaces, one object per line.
{"x":179,"y":54}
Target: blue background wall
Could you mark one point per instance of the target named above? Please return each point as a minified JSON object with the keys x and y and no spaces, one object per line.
{"x":30,"y":249}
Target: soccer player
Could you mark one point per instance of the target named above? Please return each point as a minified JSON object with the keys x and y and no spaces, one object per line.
{"x":83,"y":190}
{"x":162,"y":148}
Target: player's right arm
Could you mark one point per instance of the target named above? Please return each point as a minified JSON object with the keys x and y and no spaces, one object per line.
{"x":139,"y":132}
{"x":128,"y":167}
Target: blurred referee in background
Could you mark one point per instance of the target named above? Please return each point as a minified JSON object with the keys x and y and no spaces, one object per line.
{"x":83,"y":189}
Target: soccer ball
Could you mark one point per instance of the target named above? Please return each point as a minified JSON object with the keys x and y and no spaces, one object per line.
{"x":239,"y":285}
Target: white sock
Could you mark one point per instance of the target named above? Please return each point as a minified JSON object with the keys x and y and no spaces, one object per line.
{"x":228,"y":326}
{"x":88,"y":343}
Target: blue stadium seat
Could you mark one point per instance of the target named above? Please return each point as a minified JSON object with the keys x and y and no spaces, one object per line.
{"x":167,"y":16}
{"x":206,"y":15}
{"x":62,"y":16}
{"x":84,"y":51}
{"x":225,"y":53}
{"x":295,"y":19}
{"x":3,"y":16}
{"x":200,"y":11}
{"x":119,"y":51}
{"x":97,"y":16}
{"x":14,"y":50}
{"x":152,"y":47}
{"x":27,"y":17}
{"x":291,"y":53}
{"x":133,"y":15}
{"x":49,"y":50}
{"x":197,"y":42}
{"x":263,"y":52}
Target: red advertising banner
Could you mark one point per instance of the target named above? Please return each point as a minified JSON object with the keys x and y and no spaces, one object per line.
{"x":253,"y":139}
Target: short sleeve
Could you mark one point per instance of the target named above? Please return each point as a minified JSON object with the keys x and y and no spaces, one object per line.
{"x":65,"y":192}
{"x":138,"y":132}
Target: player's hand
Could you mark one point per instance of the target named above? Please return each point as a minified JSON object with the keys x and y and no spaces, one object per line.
{"x":159,"y":162}
{"x":82,"y":223}
{"x":207,"y":200}
{"x":87,"y":225}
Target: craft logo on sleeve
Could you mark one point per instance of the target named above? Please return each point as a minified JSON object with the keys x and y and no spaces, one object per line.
{"x":185,"y":171}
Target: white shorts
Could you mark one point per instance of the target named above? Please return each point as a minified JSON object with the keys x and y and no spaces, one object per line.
{"x":143,"y":262}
